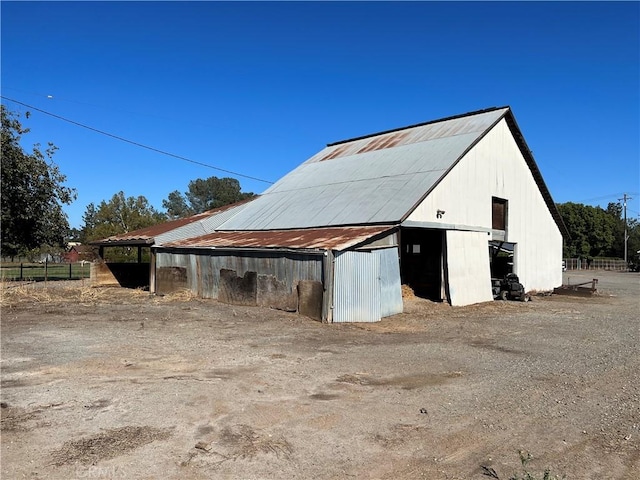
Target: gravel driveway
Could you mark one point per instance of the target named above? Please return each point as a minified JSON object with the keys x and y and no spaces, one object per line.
{"x":114,"y":383}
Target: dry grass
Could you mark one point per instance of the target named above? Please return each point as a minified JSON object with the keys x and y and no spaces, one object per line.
{"x":13,"y":295}
{"x":407,"y":292}
{"x":179,"y":296}
{"x":105,"y":445}
{"x":247,"y":443}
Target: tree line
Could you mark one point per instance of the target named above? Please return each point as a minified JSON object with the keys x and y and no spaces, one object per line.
{"x":597,"y":232}
{"x":34,"y":192}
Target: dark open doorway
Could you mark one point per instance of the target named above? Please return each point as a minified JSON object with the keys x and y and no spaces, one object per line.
{"x":421,"y":262}
{"x":501,"y":255}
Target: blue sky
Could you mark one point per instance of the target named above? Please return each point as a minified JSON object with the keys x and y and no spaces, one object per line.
{"x":257,"y":88}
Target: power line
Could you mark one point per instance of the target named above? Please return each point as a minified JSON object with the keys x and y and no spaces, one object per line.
{"x":604,"y":197}
{"x":137,"y":144}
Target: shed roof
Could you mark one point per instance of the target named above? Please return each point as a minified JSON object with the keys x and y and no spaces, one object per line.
{"x":193,"y":226}
{"x":333,"y":238}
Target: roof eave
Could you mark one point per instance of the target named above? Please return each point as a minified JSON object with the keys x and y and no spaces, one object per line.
{"x":535,"y":171}
{"x":124,"y":243}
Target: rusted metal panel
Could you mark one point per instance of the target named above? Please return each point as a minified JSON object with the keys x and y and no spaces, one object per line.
{"x":356,"y":287}
{"x":336,"y":238}
{"x":424,"y":132}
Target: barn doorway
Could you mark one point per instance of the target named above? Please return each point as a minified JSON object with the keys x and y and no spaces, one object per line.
{"x":501,"y":258}
{"x":421,"y":262}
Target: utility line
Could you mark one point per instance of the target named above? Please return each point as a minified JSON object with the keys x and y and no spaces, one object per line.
{"x":137,"y":144}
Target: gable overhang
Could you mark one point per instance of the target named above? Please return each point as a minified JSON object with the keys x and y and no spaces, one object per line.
{"x":535,"y":171}
{"x":460,"y":157}
{"x":527,"y":155}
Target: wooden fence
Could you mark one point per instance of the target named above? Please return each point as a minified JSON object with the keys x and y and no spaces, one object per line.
{"x":38,"y":272}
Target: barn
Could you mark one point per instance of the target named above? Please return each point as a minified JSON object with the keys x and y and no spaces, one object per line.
{"x":435,"y":206}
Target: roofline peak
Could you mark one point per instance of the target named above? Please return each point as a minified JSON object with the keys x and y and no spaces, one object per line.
{"x":453,"y":117}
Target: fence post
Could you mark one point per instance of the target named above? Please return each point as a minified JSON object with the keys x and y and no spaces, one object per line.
{"x":46,"y":263}
{"x":20,"y":271}
{"x":70,"y":270}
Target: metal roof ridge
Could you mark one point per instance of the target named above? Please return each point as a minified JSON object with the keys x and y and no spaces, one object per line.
{"x":421,"y":124}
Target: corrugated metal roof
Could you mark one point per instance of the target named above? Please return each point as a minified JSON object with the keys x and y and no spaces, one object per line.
{"x":195,"y":225}
{"x":205,"y":225}
{"x":374,"y":179}
{"x":338,"y":238}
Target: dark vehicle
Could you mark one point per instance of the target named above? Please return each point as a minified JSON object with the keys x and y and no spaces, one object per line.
{"x":509,"y":288}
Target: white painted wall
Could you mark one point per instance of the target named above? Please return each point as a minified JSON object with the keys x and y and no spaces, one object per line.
{"x":495,"y":167}
{"x":468,"y":270}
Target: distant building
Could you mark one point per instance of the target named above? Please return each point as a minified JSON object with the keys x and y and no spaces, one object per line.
{"x":77,"y":252}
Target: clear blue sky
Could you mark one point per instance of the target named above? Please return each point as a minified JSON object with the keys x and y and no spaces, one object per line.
{"x":257,"y":88}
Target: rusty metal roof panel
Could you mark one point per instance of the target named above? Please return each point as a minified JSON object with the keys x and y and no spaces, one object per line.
{"x":375,"y":179}
{"x":336,"y":238}
{"x":195,"y":225}
{"x":460,"y":125}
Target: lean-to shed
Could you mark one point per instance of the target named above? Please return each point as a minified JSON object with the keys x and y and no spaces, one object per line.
{"x":142,"y":273}
{"x":442,"y":206}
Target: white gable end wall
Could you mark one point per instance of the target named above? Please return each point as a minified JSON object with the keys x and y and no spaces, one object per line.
{"x":495,"y":167}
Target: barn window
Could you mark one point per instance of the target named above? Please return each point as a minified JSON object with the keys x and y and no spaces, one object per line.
{"x":499,"y":213}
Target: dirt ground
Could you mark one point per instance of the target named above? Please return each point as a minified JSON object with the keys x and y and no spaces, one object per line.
{"x":113,"y":383}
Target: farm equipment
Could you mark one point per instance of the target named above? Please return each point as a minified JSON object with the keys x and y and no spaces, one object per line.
{"x":509,"y":288}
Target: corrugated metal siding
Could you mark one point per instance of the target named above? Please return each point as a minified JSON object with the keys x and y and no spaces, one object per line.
{"x":363,"y":186}
{"x":468,"y":271}
{"x":390,"y":285}
{"x":203,"y":269}
{"x":356,"y":287}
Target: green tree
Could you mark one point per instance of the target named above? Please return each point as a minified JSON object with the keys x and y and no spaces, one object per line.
{"x":176,"y":206}
{"x":119,"y":215}
{"x":614,"y":210}
{"x":32,"y":192}
{"x":592,"y":230}
{"x":633,"y":242}
{"x":203,"y":195}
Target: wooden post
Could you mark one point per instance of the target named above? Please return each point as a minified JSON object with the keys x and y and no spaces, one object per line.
{"x":21,"y":271}
{"x":46,"y":264}
{"x":70,"y":270}
{"x":152,"y":271}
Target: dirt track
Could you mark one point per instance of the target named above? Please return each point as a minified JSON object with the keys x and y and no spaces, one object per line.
{"x":118,"y":384}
